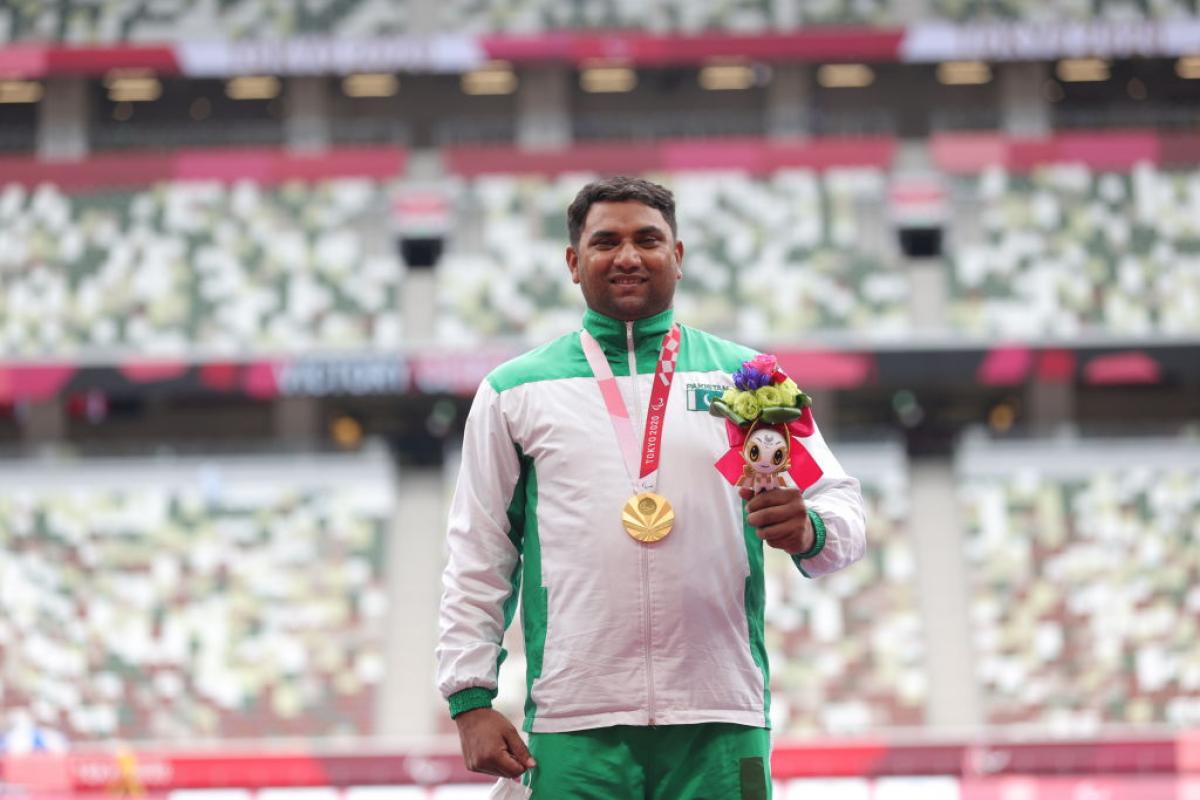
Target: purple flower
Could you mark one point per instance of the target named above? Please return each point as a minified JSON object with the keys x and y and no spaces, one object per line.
{"x":748,"y":379}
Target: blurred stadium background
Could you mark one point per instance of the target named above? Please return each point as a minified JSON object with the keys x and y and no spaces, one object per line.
{"x":255,"y":256}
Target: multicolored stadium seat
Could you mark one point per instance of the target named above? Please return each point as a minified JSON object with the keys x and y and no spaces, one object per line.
{"x":1067,"y":251}
{"x":197,"y":268}
{"x":1083,"y":563}
{"x":186,"y":598}
{"x":91,"y":21}
{"x":212,"y":269}
{"x":662,"y":16}
{"x":848,"y":651}
{"x":784,"y":256}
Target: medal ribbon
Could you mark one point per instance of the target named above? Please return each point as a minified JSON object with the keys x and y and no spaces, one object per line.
{"x":656,"y":412}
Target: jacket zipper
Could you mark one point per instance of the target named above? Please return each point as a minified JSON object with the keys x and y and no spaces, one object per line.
{"x":645,"y":553}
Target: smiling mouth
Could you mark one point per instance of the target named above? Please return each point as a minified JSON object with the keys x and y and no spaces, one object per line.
{"x":627,"y":280}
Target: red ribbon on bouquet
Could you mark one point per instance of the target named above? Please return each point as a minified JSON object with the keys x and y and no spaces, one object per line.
{"x":804,"y":469}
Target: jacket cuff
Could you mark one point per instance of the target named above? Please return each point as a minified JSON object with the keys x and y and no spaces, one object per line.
{"x":470,"y":699}
{"x":818,"y":526}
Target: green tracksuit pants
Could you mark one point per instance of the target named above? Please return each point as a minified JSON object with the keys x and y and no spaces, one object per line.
{"x":711,"y":761}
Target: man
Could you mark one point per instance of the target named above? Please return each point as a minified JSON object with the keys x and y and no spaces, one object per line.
{"x":647,"y":670}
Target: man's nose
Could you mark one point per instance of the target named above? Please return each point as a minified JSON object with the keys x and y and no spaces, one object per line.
{"x":627,"y":256}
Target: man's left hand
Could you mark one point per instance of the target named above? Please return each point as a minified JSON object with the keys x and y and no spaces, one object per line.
{"x":780,"y":518}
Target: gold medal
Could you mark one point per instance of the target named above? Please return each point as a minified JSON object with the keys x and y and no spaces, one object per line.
{"x":647,"y":517}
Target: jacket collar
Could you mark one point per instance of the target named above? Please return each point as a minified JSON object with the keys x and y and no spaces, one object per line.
{"x":610,"y":333}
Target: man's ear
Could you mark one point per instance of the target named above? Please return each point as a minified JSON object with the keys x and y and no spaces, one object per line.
{"x":678,"y":259}
{"x":573,"y":263}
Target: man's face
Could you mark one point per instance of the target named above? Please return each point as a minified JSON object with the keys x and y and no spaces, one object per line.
{"x":627,"y":262}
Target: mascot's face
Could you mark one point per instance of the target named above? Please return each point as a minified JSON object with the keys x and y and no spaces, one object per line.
{"x":765,"y":450}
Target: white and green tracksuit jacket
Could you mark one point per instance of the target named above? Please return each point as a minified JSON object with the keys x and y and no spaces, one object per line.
{"x":617,"y":632}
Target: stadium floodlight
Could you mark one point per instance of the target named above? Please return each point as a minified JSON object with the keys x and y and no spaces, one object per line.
{"x":727,"y":76}
{"x":1188,"y":68}
{"x":963,"y":73}
{"x":132,"y":86}
{"x":370,"y":84}
{"x":495,"y":77}
{"x":1082,"y":70}
{"x":607,"y":77}
{"x":20,"y":91}
{"x":252,"y":87}
{"x":845,"y":76}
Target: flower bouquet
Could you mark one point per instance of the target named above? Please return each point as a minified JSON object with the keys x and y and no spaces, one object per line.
{"x":762,"y":391}
{"x":766,"y":414}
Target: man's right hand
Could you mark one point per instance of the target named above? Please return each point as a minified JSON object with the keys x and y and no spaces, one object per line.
{"x":491,"y":744}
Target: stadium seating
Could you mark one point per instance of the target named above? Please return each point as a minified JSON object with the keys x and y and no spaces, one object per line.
{"x":759,"y":16}
{"x":506,"y":274}
{"x":1077,"y":10}
{"x":796,"y":253}
{"x":182,"y":599}
{"x":847,"y":651}
{"x":1067,"y":251}
{"x":767,"y":258}
{"x":1083,"y":564}
{"x":662,"y":16}
{"x":197,"y":268}
{"x":88,"y":21}
{"x":203,"y":268}
{"x":82,"y":21}
{"x":191,"y":267}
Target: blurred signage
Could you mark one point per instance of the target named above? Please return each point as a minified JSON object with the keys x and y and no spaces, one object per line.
{"x":928,"y":42}
{"x":305,"y":55}
{"x":342,"y":376}
{"x":459,"y":371}
{"x":455,"y":373}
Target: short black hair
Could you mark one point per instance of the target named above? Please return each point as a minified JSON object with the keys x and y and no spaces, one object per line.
{"x":618,"y":189}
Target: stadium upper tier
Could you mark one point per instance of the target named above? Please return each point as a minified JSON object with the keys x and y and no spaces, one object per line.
{"x":88,"y":21}
{"x":1065,"y":251}
{"x":1084,"y":563}
{"x":766,"y":258}
{"x":183,"y":599}
{"x":197,"y":269}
